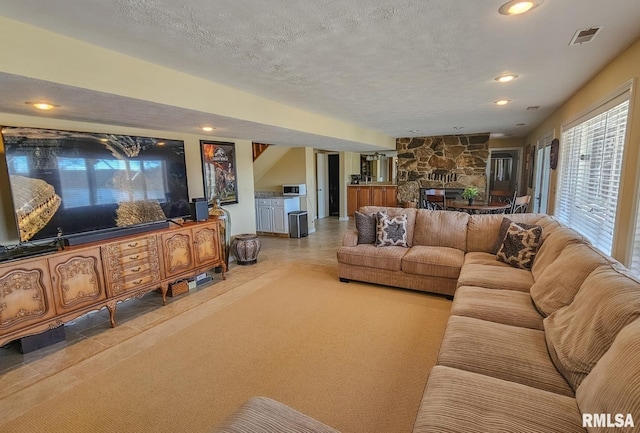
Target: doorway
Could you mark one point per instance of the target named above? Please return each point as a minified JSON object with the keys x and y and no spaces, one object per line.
{"x":322,"y":182}
{"x":334,"y":184}
{"x":543,"y":174}
{"x":504,"y":169}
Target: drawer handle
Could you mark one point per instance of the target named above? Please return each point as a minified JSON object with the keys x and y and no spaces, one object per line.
{"x":132,"y":245}
{"x":137,"y":282}
{"x":136,"y":269}
{"x":134,"y":257}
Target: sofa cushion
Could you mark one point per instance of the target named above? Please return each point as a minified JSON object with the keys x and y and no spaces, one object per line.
{"x":555,"y":288}
{"x":502,"y":306}
{"x":552,"y":246}
{"x":391,"y":231}
{"x":366,"y":225}
{"x":389,"y":258}
{"x":395,"y":211}
{"x":438,"y":228}
{"x":579,"y":334}
{"x":481,"y":258}
{"x":495,"y":277}
{"x":502,"y":351}
{"x":520,"y":246}
{"x":458,"y":401}
{"x":482,"y":230}
{"x":433,"y":261}
{"x":264,"y":415}
{"x":613,"y":386}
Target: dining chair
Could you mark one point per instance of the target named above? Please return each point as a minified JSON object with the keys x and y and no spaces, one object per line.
{"x":430,"y":196}
{"x":501,"y":196}
{"x":521,"y":204}
{"x":497,"y":196}
{"x":433,"y":199}
{"x":436,"y":202}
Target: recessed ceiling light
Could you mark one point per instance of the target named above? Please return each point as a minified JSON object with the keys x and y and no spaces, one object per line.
{"x":517,"y":7}
{"x":42,"y":105}
{"x":207,"y":128}
{"x":502,"y":101}
{"x":413,"y":131}
{"x":505,"y":78}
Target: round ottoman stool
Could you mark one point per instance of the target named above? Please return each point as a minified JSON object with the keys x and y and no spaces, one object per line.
{"x":246,"y":248}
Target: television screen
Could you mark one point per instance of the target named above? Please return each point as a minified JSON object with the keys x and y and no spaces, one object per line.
{"x":65,"y":182}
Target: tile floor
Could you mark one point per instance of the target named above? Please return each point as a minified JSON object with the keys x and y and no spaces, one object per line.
{"x":91,"y":335}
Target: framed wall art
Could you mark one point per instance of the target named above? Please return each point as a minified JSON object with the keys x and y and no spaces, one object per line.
{"x":219,"y":171}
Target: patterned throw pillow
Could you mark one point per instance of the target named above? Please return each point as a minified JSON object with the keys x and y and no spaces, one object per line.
{"x":520,"y":246}
{"x":366,"y":226}
{"x":391,"y":231}
{"x":506,"y":222}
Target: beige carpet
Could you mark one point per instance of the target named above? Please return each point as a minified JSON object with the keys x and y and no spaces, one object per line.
{"x":355,"y":356}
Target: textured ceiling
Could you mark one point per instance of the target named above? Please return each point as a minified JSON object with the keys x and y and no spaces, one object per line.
{"x":390,"y":66}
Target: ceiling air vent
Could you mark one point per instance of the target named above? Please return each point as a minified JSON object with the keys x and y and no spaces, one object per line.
{"x":584,"y":35}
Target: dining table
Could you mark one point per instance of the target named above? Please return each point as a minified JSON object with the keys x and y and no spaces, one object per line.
{"x":478,"y":208}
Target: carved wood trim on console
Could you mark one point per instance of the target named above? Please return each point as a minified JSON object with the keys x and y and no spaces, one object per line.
{"x":44,"y":293}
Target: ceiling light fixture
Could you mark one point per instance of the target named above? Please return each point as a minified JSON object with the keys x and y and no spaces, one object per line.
{"x":413,"y":131}
{"x":376,"y":157}
{"x":42,"y":105}
{"x":207,"y":128}
{"x":517,"y":7}
{"x":505,"y":78}
{"x":502,"y":101}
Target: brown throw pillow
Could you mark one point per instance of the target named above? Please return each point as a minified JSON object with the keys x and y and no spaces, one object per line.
{"x":366,"y":226}
{"x":391,"y":231}
{"x":520,"y":246}
{"x":503,"y":232}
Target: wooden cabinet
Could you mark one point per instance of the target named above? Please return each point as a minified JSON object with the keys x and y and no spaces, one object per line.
{"x":131,"y":264}
{"x":370,"y":195}
{"x":272,"y":214}
{"x":76,"y":279}
{"x":205,"y":242}
{"x":43,"y":293}
{"x":384,"y":196}
{"x":264,"y":215}
{"x":178,"y":252}
{"x":25,"y":297}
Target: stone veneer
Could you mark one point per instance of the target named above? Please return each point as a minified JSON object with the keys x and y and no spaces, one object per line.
{"x":447,"y":161}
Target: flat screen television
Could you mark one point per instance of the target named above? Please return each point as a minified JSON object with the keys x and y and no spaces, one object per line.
{"x":68,"y":183}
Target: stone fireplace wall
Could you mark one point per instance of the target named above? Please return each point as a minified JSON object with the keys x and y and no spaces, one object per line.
{"x":447,"y":161}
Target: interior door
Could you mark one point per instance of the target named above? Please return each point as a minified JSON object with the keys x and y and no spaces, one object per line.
{"x":503,"y":171}
{"x":543,"y":173}
{"x":322,"y":175}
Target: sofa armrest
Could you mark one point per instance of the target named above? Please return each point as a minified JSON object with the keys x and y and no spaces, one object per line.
{"x":264,"y":415}
{"x":350,"y":238}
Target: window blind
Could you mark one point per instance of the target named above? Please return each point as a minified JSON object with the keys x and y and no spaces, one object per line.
{"x":635,"y":254}
{"x":590,"y":164}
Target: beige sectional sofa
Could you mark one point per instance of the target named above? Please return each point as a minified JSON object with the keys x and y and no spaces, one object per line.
{"x":552,"y":349}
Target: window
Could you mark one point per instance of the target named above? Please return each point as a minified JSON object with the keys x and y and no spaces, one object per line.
{"x":590,"y":164}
